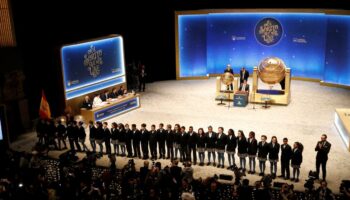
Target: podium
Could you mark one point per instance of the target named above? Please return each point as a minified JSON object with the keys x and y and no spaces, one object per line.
{"x":240,"y":99}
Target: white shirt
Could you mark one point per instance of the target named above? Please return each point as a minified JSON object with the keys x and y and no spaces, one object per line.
{"x":243,"y":87}
{"x":97,"y":101}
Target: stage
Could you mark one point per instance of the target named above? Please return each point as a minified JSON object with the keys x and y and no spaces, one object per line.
{"x":192,"y":103}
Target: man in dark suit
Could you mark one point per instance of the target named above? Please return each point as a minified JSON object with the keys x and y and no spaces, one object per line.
{"x":128,"y":140}
{"x":183,"y":144}
{"x":286,"y":155}
{"x":229,"y":69}
{"x":121,"y":91}
{"x":243,"y":75}
{"x":192,"y":145}
{"x":170,"y":138}
{"x":87,"y":104}
{"x":161,"y":136}
{"x":142,"y":78}
{"x":136,"y":141}
{"x":211,"y":144}
{"x":107,"y":138}
{"x":104,"y":96}
{"x":322,"y":147}
{"x":144,"y":141}
{"x":153,"y":142}
{"x":113,"y":94}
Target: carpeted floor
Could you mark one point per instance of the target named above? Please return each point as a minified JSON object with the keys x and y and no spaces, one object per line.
{"x":191,"y":102}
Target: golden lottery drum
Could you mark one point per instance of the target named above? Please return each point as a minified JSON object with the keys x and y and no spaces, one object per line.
{"x":227,"y":78}
{"x":271,"y":70}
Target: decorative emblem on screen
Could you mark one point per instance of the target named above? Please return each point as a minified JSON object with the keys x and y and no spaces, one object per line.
{"x":268,"y":31}
{"x":93,"y":60}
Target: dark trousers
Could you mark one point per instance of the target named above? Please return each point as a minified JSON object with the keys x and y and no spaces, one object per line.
{"x":61,"y":139}
{"x":153,"y":147}
{"x":76,"y":142}
{"x":93,"y":144}
{"x":145,"y":150}
{"x":170,"y":152}
{"x":142,"y":84}
{"x":192,"y":150}
{"x":161,"y":147}
{"x":324,"y":170}
{"x":137,"y":151}
{"x":183,"y":153}
{"x":108,"y":146}
{"x":129,"y":148}
{"x":71,"y":144}
{"x":285,"y":168}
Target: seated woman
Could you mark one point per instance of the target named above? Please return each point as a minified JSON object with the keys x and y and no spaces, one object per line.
{"x":121,"y":91}
{"x":97,"y":101}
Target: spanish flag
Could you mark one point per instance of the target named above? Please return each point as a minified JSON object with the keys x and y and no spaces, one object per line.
{"x":44,"y":111}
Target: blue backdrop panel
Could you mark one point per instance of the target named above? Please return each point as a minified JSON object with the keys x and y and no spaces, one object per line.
{"x":93,"y":65}
{"x":192,"y":45}
{"x":337,"y":65}
{"x":232,"y":39}
{"x":309,"y":44}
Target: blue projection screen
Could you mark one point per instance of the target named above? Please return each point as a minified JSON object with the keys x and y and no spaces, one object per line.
{"x":313,"y":45}
{"x":92,"y":66}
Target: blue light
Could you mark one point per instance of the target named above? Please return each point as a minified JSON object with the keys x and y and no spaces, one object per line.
{"x":305,"y":47}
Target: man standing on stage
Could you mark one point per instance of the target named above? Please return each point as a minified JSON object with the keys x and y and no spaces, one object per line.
{"x":243,"y":75}
{"x":144,"y":137}
{"x":142,"y":78}
{"x":286,"y":156}
{"x":192,"y":145}
{"x":161,"y":137}
{"x":322,"y":149}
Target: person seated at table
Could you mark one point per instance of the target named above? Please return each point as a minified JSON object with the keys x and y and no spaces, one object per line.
{"x":125,"y":92}
{"x":121,"y":91}
{"x":105,"y":96}
{"x":113,"y":94}
{"x":87,"y":104}
{"x":244,"y":87}
{"x":97,"y":101}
